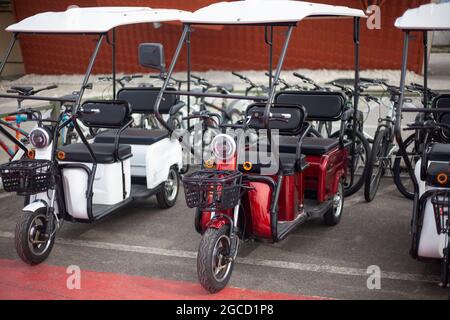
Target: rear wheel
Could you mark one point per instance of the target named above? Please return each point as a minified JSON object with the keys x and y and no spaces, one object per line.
{"x":333,"y":216}
{"x":362,"y":153}
{"x":400,"y":172}
{"x":168,"y":195}
{"x":32,"y":244}
{"x":214,"y":267}
{"x":377,"y":164}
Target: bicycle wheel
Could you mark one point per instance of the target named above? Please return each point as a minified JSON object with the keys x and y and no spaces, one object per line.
{"x":362,"y":152}
{"x":376,"y":166}
{"x":400,"y":173}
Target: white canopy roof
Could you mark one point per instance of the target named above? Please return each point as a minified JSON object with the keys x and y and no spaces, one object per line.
{"x":427,"y":17}
{"x":93,"y":20}
{"x":266,"y":12}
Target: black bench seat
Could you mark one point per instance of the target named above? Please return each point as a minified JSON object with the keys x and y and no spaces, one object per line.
{"x":136,"y":136}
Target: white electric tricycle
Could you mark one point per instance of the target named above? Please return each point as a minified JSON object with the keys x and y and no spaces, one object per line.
{"x":84,"y":182}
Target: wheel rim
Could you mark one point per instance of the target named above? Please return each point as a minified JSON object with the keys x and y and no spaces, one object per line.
{"x":171,"y":185}
{"x":36,"y":241}
{"x":220,"y":264}
{"x":337,"y":201}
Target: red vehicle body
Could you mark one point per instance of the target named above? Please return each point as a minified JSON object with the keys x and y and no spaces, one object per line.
{"x":320,"y":179}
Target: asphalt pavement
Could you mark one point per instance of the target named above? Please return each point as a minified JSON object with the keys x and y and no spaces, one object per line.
{"x":314,"y":261}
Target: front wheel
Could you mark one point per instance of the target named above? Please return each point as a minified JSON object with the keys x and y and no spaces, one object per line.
{"x":400,"y":172}
{"x":33,"y":245}
{"x":168,"y":195}
{"x":377,"y":164}
{"x":214,"y":265}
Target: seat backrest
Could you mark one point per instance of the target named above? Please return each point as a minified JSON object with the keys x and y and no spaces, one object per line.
{"x":319,"y":106}
{"x":442,"y":101}
{"x":142,"y":99}
{"x":293,"y":124}
{"x":104,"y":113}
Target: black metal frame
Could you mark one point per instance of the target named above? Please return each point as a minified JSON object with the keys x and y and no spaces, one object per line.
{"x":77,"y":103}
{"x":273,"y":83}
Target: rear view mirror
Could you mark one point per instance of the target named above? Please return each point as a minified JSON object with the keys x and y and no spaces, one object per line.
{"x":151,"y":55}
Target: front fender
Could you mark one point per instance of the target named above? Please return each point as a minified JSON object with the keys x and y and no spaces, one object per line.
{"x":217,"y":222}
{"x":35,"y":206}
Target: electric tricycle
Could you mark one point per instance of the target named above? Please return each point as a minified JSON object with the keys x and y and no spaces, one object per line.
{"x":264,"y":188}
{"x":430,"y":222}
{"x":84,"y":182}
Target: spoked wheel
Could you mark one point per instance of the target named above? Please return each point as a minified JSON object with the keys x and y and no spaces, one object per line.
{"x":377,"y":164}
{"x":400,"y":172}
{"x":214,"y":267}
{"x":361,"y":156}
{"x":333,"y":216}
{"x":32,"y":244}
{"x":168,"y":195}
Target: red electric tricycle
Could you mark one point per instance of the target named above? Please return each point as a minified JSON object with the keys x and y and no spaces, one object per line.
{"x":266,"y":175}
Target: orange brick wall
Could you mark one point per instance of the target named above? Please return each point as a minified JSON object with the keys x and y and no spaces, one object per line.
{"x":315,"y":44}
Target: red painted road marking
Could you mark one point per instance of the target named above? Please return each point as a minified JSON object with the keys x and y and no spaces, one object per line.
{"x":20,"y":281}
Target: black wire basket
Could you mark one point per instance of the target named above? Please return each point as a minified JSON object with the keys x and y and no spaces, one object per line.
{"x":441,"y":205}
{"x":212,"y":190}
{"x":27,"y":177}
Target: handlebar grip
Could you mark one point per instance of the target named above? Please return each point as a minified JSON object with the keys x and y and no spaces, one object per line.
{"x":237,"y":75}
{"x":11,"y":91}
{"x":54,"y":86}
{"x":135,"y":76}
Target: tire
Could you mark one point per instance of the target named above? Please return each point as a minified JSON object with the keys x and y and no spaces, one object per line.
{"x":400,"y":174}
{"x":363,"y":149}
{"x":167,"y":197}
{"x":374,"y":172}
{"x":32,"y":254}
{"x":207,"y":256}
{"x":333,"y":216}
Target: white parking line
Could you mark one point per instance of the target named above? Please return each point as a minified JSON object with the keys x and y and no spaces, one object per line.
{"x":322,"y":268}
{"x":360,"y":199}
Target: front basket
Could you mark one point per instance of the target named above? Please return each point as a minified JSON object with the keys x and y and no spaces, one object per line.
{"x":27,"y":177}
{"x":212,"y":190}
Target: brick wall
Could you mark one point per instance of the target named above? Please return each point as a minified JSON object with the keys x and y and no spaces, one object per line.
{"x":315,"y":44}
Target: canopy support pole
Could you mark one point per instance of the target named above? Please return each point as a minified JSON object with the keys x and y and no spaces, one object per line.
{"x":186,"y":30}
{"x":188,"y":46}
{"x":268,"y":39}
{"x":274,"y":85}
{"x":425,"y":69}
{"x":8,"y":52}
{"x":88,"y":73}
{"x":356,"y":39}
{"x":113,"y":47}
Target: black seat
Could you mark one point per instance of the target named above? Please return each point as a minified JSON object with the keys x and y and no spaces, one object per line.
{"x":288,"y":163}
{"x":311,"y":146}
{"x":23,"y":90}
{"x":104,"y":152}
{"x":136,"y":136}
{"x":439,"y":152}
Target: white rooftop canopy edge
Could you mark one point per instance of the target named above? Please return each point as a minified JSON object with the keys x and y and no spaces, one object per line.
{"x":94,"y":20}
{"x":266,"y":12}
{"x":426,"y":17}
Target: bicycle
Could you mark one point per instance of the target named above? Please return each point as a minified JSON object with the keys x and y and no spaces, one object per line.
{"x":383,"y":147}
{"x":13,"y":122}
{"x":413,"y":145}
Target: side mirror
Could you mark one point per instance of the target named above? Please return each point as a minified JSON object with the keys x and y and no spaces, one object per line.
{"x":151,"y":55}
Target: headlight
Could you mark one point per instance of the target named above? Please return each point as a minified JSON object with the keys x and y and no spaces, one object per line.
{"x":223,"y":147}
{"x":40,"y":138}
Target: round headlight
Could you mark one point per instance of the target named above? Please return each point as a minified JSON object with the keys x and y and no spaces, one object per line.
{"x":40,"y":138}
{"x":223,"y":147}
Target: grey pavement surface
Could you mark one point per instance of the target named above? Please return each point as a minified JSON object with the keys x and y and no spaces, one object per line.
{"x":314,"y":260}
